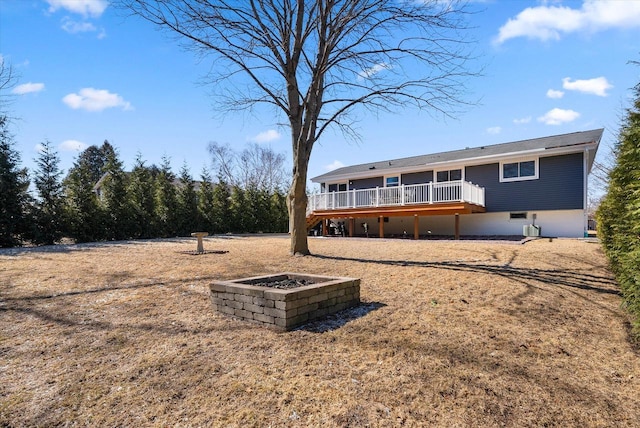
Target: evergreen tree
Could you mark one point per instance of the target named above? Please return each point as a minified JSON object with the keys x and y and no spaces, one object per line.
{"x":222,"y":207}
{"x":188,"y":214}
{"x":278,"y":214}
{"x":619,"y":212}
{"x":14,"y":185}
{"x":206,"y":205}
{"x":94,"y":160}
{"x":86,"y":220}
{"x":114,"y":200}
{"x":239,"y":210}
{"x":142,"y":199}
{"x":166,"y":200}
{"x":256,"y":210}
{"x":49,"y":208}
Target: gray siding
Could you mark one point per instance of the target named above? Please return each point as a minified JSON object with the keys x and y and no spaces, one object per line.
{"x":366,"y":183}
{"x":417,"y":177}
{"x":560,"y":186}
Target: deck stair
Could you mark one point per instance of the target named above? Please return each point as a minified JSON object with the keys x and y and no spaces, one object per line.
{"x":312,"y":220}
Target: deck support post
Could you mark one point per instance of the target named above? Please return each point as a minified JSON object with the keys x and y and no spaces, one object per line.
{"x":381,"y":226}
{"x":416,"y":227}
{"x":325,"y":227}
{"x":352,"y":226}
{"x":457,"y":226}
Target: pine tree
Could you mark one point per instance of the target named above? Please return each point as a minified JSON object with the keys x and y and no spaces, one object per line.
{"x":239,"y":210}
{"x":278,"y":214}
{"x":14,"y":184}
{"x":86,"y":220}
{"x":222,"y":207}
{"x":166,"y":200}
{"x":256,"y":209}
{"x":115,"y":200}
{"x":206,"y":205}
{"x":142,"y":199}
{"x":188,"y":214}
{"x":619,"y":212}
{"x":49,"y":207}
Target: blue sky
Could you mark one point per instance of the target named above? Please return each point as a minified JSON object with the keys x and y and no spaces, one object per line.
{"x":88,"y":73}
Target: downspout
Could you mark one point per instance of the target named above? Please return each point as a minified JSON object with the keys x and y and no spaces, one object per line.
{"x":585,"y":208}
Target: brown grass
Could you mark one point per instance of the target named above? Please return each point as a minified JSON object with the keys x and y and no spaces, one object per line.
{"x":450,"y":334}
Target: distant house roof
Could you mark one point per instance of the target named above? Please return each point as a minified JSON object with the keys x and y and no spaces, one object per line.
{"x":556,"y":143}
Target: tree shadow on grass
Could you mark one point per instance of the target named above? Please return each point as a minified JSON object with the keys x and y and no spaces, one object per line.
{"x":568,"y":278}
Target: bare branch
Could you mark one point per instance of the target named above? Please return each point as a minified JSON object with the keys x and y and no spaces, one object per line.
{"x":318,"y":61}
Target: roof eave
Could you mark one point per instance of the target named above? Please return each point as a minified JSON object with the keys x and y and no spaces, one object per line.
{"x":475,"y":160}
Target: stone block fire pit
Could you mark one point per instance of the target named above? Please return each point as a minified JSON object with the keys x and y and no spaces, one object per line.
{"x":285,"y":300}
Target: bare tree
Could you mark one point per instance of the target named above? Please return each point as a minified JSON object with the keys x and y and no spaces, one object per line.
{"x":256,"y":166}
{"x":224,"y":160}
{"x":8,"y":80}
{"x":318,"y":60}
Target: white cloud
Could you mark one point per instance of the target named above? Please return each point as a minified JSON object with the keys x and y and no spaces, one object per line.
{"x":73,"y":27}
{"x":39,"y":147}
{"x":91,"y":99}
{"x":86,"y":8}
{"x":558,"y":116}
{"x":550,"y":22}
{"x":28,"y":88}
{"x":369,"y":72}
{"x":72,"y":146}
{"x":494,"y":130}
{"x":334,"y":165}
{"x":552,"y":93}
{"x":265,"y":136}
{"x":597,"y":86}
{"x":522,"y":120}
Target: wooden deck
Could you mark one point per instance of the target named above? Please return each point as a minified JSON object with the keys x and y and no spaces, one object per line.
{"x":415,"y":211}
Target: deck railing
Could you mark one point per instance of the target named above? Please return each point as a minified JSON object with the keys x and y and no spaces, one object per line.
{"x":412,"y":194}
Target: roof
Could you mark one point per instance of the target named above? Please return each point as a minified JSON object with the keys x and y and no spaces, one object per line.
{"x":563,"y":142}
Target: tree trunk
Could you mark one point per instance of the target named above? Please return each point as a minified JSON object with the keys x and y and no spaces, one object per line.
{"x":297,"y":204}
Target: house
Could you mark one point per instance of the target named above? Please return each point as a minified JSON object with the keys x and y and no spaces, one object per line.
{"x":529,"y":187}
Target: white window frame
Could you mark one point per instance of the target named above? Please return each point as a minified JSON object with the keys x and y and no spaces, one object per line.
{"x":436,"y":171}
{"x":392,"y":176}
{"x":337,"y":184}
{"x":536,"y":166}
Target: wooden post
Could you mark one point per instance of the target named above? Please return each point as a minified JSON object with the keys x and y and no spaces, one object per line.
{"x":416,"y":227}
{"x":381,"y":226}
{"x":457,"y":226}
{"x":352,"y":226}
{"x":325,"y":227}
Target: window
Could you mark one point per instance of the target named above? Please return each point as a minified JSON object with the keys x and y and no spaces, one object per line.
{"x":517,"y":216}
{"x":516,"y":171}
{"x":450,"y":175}
{"x":393,"y":181}
{"x":338,"y":187}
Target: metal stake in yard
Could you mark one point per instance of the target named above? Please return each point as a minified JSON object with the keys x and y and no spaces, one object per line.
{"x":200,"y":235}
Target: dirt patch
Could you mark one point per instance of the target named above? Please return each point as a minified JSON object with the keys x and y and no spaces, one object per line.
{"x":449,"y":334}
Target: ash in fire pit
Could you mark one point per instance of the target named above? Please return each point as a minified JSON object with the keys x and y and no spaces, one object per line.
{"x":284,"y":284}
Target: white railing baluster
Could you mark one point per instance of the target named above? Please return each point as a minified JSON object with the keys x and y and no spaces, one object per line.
{"x":431,"y":193}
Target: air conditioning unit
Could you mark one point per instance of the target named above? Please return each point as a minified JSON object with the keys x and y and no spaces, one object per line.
{"x":531,"y":230}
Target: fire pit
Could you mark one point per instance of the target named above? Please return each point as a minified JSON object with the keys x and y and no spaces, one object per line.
{"x":285,"y":300}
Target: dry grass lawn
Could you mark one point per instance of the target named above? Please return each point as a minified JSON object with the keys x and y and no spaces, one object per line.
{"x":449,"y":334}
